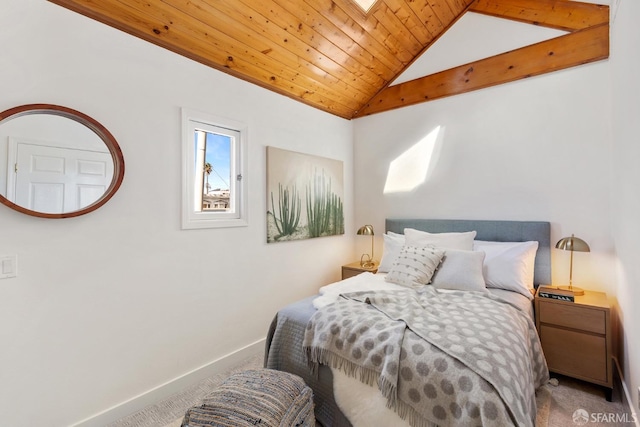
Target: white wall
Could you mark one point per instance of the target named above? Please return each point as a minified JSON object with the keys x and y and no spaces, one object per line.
{"x":625,"y":192}
{"x":538,"y":149}
{"x":111,"y":304}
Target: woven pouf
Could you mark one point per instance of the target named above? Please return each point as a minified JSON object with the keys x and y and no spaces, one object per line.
{"x":261,"y":397}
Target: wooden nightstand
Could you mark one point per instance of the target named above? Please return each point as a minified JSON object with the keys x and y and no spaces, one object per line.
{"x":576,"y":337}
{"x":353,"y":269}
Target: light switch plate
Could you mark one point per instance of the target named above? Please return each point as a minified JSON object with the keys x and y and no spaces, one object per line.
{"x":8,"y":266}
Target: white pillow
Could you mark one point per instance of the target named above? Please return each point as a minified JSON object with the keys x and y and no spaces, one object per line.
{"x":414,"y":266}
{"x":393,"y":243}
{"x":509,"y":265}
{"x":457,"y":241}
{"x":460,"y":270}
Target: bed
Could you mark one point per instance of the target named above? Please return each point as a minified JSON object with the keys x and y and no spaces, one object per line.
{"x":443,"y":383}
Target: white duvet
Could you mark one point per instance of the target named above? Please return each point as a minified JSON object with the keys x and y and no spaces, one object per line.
{"x":362,"y":404}
{"x":362,"y":282}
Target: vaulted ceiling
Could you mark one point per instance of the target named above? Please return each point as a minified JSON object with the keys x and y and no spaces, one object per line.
{"x":332,"y":55}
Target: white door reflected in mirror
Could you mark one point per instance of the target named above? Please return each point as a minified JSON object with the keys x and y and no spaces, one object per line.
{"x":53,"y":179}
{"x":56,"y":162}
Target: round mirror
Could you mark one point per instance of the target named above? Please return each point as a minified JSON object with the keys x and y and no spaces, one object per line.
{"x":56,"y":162}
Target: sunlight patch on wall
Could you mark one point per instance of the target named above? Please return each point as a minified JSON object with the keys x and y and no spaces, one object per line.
{"x":411,"y":168}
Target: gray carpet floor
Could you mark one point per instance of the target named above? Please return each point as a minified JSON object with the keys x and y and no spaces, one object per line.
{"x":572,"y":395}
{"x":567,"y":397}
{"x":167,"y":411}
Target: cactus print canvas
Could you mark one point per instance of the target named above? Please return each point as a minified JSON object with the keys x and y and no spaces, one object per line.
{"x":305,"y":196}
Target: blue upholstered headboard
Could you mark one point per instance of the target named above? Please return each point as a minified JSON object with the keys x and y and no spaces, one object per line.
{"x":496,"y":231}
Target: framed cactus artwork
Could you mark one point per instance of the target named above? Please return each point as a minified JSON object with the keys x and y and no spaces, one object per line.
{"x":305,"y":196}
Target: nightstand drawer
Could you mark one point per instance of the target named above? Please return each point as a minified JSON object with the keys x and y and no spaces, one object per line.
{"x":347,"y":272}
{"x":576,"y":317}
{"x":574,"y":353}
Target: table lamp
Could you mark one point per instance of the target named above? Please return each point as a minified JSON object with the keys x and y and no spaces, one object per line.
{"x":572,"y":244}
{"x":366,"y":261}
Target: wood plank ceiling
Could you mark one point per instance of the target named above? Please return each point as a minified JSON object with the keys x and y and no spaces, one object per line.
{"x":333,"y":56}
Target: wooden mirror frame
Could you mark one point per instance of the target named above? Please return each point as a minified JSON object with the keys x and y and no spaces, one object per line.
{"x":97,"y":128}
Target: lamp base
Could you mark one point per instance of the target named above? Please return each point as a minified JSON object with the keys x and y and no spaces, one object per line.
{"x":572,"y":289}
{"x":366,"y":262}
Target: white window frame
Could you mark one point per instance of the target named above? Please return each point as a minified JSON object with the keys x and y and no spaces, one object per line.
{"x":192,"y":120}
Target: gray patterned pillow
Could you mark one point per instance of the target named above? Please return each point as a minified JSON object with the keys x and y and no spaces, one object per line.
{"x":415,"y":266}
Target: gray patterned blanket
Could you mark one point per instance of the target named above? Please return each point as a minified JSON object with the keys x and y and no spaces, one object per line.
{"x":438,"y":358}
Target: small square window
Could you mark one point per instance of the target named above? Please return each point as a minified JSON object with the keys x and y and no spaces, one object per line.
{"x":214,"y":163}
{"x":214,"y":182}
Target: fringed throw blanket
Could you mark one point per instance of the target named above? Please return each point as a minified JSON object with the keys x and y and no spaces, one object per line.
{"x":441,"y":358}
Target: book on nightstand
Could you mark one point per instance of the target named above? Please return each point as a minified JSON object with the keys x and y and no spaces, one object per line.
{"x":555,"y":293}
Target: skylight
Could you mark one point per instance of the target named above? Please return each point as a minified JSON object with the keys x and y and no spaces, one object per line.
{"x":365,"y":5}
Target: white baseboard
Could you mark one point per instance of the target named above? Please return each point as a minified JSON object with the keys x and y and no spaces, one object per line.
{"x":165,"y":390}
{"x":627,"y":395}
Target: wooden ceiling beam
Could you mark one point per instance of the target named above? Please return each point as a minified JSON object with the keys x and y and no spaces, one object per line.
{"x":558,"y":14}
{"x":577,"y":48}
